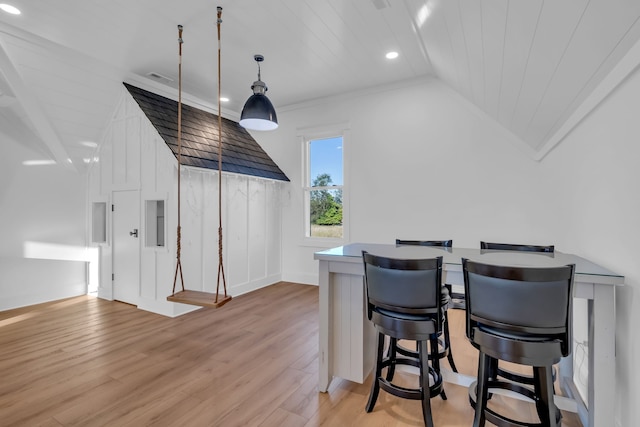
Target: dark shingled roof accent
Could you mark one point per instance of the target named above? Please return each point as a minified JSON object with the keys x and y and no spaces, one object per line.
{"x":240,"y":152}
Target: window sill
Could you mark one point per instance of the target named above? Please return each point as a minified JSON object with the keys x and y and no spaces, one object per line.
{"x":158,"y":249}
{"x":320,"y":242}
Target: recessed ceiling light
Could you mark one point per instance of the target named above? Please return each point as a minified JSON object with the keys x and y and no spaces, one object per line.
{"x":392,"y":55}
{"x":224,"y":99}
{"x":10,"y":9}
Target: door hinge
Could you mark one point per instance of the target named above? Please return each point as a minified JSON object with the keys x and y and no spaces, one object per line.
{"x":113,"y":277}
{"x":112,"y":208}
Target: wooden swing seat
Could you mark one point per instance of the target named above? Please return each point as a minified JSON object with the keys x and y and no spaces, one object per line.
{"x":203,"y":299}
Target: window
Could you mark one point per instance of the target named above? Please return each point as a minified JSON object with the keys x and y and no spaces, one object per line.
{"x":154,"y":223}
{"x":99,"y":222}
{"x":324,"y":188}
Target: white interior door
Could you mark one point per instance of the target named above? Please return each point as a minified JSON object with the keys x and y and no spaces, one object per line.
{"x":126,"y":246}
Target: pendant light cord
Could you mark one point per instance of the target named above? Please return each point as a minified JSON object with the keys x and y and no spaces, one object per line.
{"x":220,"y":264}
{"x":179,"y":230}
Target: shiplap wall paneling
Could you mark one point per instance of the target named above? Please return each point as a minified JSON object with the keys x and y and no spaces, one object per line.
{"x":257,"y":222}
{"x":119,"y":153}
{"x":545,"y":58}
{"x":494,"y":21}
{"x":126,"y":151}
{"x":156,"y":172}
{"x":273,"y":224}
{"x":472,"y":28}
{"x":194,"y":228}
{"x":237,"y":231}
{"x":518,"y":38}
{"x":102,"y":167}
{"x":604,"y":34}
{"x":452,"y":68}
{"x":61,"y":83}
{"x":209,"y":228}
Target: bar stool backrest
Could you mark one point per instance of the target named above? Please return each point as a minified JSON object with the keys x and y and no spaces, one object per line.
{"x":527,"y":301}
{"x":410,"y":286}
{"x":515,"y":247}
{"x":439,"y":243}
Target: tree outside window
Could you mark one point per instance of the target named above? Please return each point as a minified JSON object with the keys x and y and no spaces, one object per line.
{"x":324,"y":188}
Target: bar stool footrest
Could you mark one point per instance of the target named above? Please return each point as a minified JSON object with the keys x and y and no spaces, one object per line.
{"x":501,"y":420}
{"x":521,"y":378}
{"x":410,"y":393}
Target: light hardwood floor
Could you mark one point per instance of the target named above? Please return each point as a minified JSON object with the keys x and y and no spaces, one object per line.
{"x":89,"y":362}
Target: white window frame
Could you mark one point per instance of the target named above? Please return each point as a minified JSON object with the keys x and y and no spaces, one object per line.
{"x":311,"y":134}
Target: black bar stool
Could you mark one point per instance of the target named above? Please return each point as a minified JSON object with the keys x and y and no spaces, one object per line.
{"x":543,"y":249}
{"x":445,"y":343}
{"x":520,"y":315}
{"x":404,"y":302}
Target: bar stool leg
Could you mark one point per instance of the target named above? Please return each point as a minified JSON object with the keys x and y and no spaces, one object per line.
{"x":482,"y":390}
{"x":435,"y":360}
{"x":392,"y":354}
{"x":492,"y":373}
{"x":423,"y":355}
{"x":447,"y":341}
{"x":546,"y":408}
{"x":375,"y":384}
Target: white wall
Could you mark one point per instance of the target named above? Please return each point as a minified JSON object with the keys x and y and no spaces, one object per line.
{"x":421,"y":162}
{"x":596,"y":196}
{"x":424,"y":163}
{"x":43,"y":229}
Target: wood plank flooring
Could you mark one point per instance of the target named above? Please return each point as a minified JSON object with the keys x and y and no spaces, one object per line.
{"x":89,"y":362}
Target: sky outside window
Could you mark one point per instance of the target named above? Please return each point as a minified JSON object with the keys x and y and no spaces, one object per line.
{"x":326,"y":157}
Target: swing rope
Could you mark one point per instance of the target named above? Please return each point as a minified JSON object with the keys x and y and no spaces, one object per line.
{"x":197,"y":297}
{"x":179,"y":229}
{"x":220,"y":264}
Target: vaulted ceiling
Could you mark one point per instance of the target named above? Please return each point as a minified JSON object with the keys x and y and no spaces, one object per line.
{"x":536,"y":67}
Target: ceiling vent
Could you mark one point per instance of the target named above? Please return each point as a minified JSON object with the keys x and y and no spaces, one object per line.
{"x":381,"y":4}
{"x":158,"y":76}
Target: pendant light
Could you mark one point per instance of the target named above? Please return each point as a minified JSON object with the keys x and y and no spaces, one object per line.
{"x":258,"y":112}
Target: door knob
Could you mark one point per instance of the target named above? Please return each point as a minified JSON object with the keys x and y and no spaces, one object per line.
{"x":134,"y":233}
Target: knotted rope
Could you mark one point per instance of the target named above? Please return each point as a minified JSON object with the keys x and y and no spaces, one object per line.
{"x":220,"y":264}
{"x":179,"y":229}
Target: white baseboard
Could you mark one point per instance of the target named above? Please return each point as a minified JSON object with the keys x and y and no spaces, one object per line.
{"x":304,"y":278}
{"x":105,"y":293}
{"x":253,"y":285}
{"x":166,"y":308}
{"x":29,"y":281}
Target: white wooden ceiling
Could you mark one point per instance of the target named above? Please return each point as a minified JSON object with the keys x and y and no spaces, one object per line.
{"x":530,"y":65}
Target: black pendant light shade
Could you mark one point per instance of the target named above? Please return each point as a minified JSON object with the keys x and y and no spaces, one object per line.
{"x":258,"y":112}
